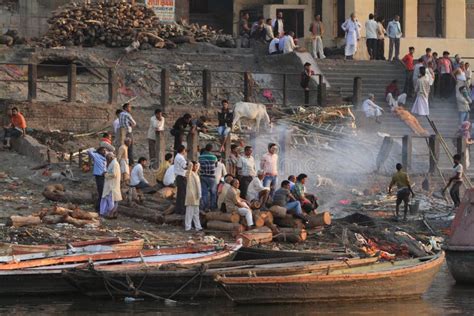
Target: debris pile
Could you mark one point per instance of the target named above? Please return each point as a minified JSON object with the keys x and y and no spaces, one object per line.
{"x":57,"y":214}
{"x":121,"y":25}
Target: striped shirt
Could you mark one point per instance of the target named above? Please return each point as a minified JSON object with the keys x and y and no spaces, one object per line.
{"x":126,"y":121}
{"x":208,"y":163}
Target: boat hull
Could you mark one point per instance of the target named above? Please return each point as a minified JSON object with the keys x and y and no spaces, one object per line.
{"x":35,"y":283}
{"x":461,"y":265}
{"x":408,"y":282}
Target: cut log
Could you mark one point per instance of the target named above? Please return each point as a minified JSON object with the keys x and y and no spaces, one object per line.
{"x":318,"y":220}
{"x":234,"y":228}
{"x":167,"y":193}
{"x":59,"y":210}
{"x":267,"y":217}
{"x":292,"y":235}
{"x":52,"y":219}
{"x":223,"y":217}
{"x":80,"y":214}
{"x":19,"y":221}
{"x":169,"y":210}
{"x":149,"y":215}
{"x":80,"y":222}
{"x":258,"y":220}
{"x":174,"y":219}
{"x":278,"y":211}
{"x":70,"y":197}
{"x":289,"y":221}
{"x":256,"y":236}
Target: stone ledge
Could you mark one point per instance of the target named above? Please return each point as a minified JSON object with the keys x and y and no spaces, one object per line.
{"x":30,"y":147}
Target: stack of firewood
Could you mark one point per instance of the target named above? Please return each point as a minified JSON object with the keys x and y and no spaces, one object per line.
{"x":57,"y":214}
{"x":119,"y":25}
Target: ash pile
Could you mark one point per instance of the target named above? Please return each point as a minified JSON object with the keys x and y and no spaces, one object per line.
{"x":121,"y":25}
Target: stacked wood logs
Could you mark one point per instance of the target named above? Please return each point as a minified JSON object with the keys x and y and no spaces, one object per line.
{"x":71,"y":215}
{"x":119,"y":25}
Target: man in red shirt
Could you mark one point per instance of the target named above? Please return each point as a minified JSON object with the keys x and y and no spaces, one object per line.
{"x":16,"y":128}
{"x":409,"y":66}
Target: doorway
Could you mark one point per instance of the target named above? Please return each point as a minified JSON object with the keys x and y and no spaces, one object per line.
{"x":388,"y":9}
{"x":430,"y":18}
{"x":341,"y":17}
{"x":294,"y":21}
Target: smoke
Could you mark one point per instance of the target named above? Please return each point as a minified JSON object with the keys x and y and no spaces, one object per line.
{"x":350,"y":161}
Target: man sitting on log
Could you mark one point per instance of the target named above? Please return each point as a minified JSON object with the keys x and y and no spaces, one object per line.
{"x":233,"y":203}
{"x":308,"y":201}
{"x":160,"y":174}
{"x":137,"y":179}
{"x":284,"y":198}
{"x":221,"y":195}
{"x":257,"y":192}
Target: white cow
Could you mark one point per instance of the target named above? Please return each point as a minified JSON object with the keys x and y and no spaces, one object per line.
{"x":250,"y":111}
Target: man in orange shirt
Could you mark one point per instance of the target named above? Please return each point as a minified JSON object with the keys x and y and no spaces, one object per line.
{"x":16,"y":128}
{"x":409,"y":68}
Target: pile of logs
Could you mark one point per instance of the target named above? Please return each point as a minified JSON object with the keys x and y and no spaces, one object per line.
{"x":57,"y":214}
{"x":120,"y":25}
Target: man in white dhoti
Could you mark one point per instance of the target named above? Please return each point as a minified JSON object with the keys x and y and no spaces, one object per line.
{"x":422,"y":89}
{"x":352,"y":28}
{"x":371,"y":109}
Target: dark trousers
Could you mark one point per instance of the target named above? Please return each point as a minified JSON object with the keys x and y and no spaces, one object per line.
{"x":380,"y":49}
{"x":99,"y":182}
{"x":306,"y":97}
{"x":244,"y":185}
{"x":130,"y":150}
{"x":394,"y":44}
{"x":180,"y":195}
{"x":446,"y":86}
{"x":454,"y":192}
{"x":436,"y":85}
{"x":372,"y":47}
{"x":178,"y":140}
{"x":408,"y":89}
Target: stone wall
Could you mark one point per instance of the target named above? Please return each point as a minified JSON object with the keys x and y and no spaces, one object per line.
{"x":63,"y":116}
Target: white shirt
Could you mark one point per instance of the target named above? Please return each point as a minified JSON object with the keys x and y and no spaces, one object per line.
{"x":169,"y":177}
{"x":254,"y":189}
{"x":220,"y":172}
{"x":281,"y":29}
{"x":247,"y":166}
{"x":155,"y":126}
{"x":269,"y":34}
{"x":288,"y":44}
{"x":394,"y":29}
{"x":272,"y":48}
{"x":137,"y":175}
{"x":116,"y":126}
{"x":180,"y":165}
{"x":371,"y":29}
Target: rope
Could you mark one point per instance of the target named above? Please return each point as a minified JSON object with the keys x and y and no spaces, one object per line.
{"x":201,"y":270}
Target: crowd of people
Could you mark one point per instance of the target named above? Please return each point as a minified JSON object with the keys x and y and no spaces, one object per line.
{"x":272,"y":32}
{"x":210,"y":183}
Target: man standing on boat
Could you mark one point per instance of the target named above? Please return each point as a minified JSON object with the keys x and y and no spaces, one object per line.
{"x":401,"y":180}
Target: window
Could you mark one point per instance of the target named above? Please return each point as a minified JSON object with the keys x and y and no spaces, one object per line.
{"x":388,"y":9}
{"x":470,"y":18}
{"x":430,"y":18}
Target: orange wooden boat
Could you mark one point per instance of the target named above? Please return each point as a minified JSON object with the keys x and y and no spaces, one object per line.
{"x":379,"y":281}
{"x":19,"y":249}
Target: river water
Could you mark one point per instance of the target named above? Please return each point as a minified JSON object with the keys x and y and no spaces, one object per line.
{"x":443,"y":298}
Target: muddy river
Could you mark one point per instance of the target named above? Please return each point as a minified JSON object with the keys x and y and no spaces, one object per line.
{"x":443,"y":298}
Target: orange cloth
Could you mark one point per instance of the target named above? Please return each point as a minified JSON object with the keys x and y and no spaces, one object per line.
{"x":18,"y":120}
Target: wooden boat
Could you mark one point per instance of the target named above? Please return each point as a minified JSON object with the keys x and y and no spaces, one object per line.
{"x":194,"y":282}
{"x":114,"y":243}
{"x":378,"y":281}
{"x":460,"y":247}
{"x":45,"y":275}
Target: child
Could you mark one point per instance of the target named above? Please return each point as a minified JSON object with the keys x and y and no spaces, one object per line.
{"x":193,"y":196}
